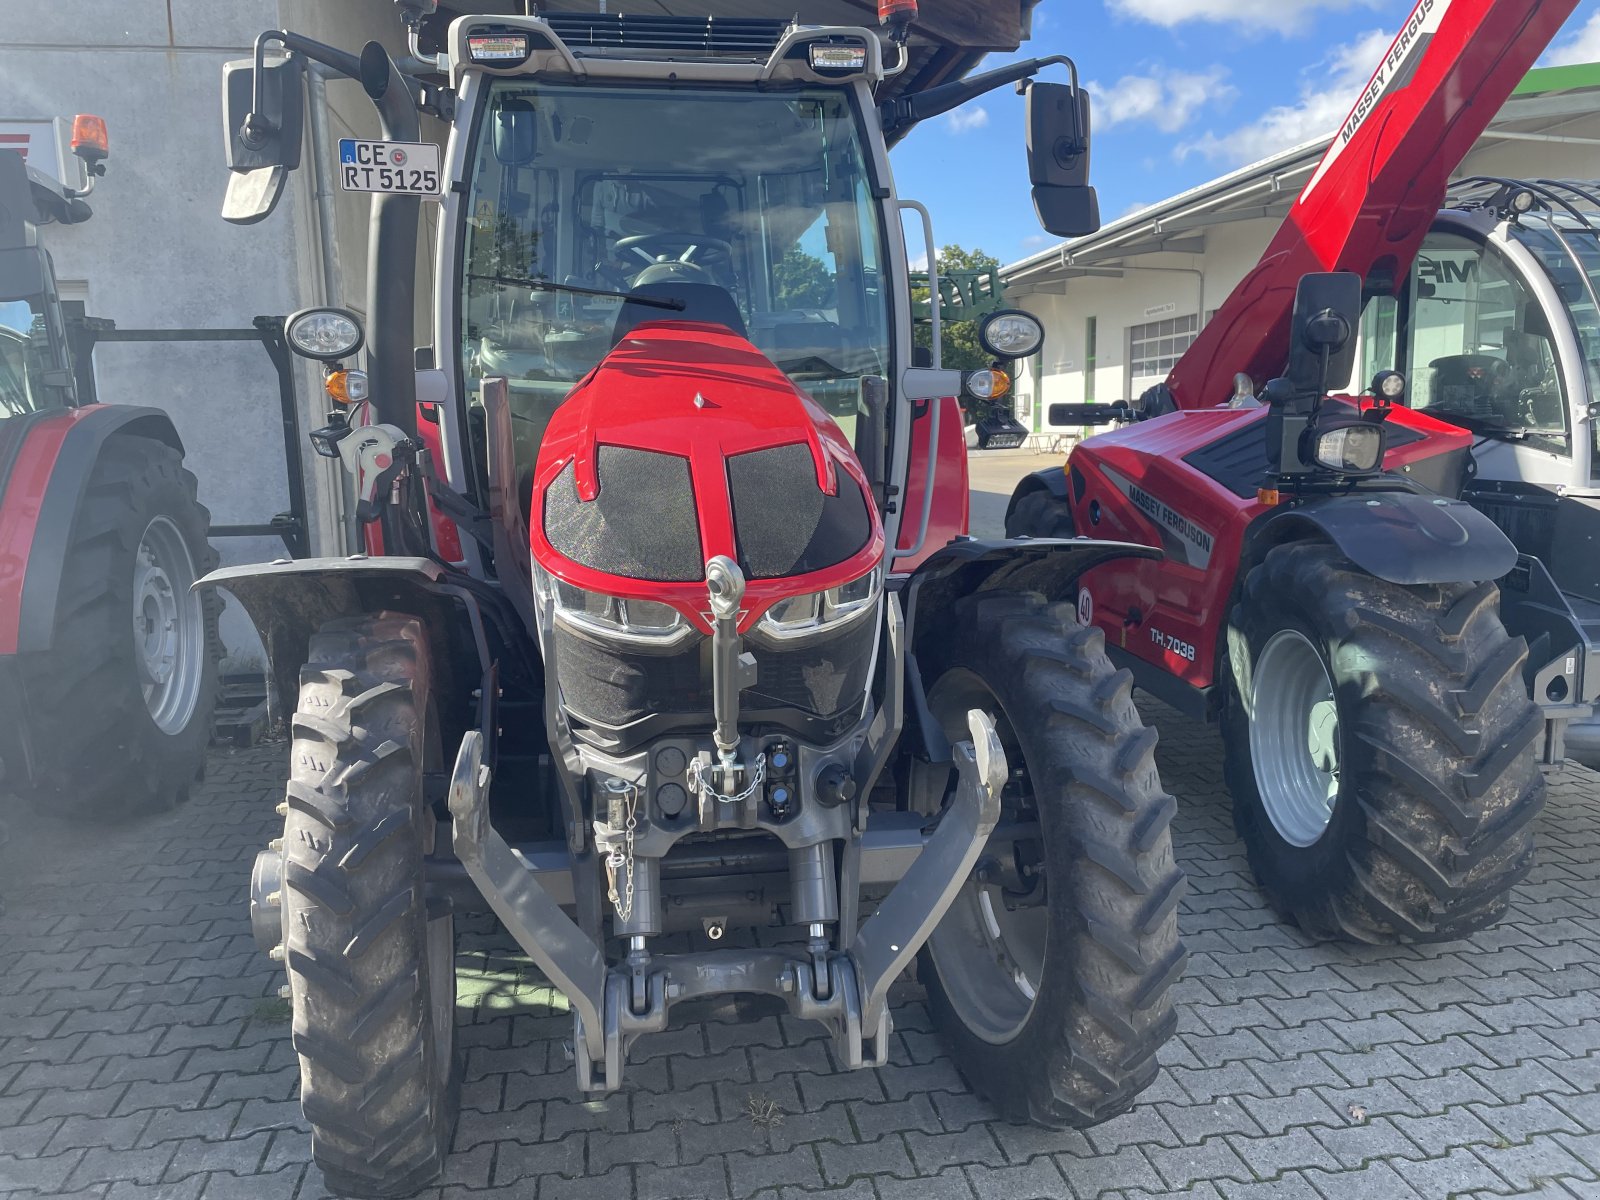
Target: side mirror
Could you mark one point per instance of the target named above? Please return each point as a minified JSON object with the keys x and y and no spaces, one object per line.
{"x":516,"y":133}
{"x":262,"y":118}
{"x":1058,"y":159}
{"x":1322,"y":346}
{"x":16,"y":201}
{"x":24,"y":273}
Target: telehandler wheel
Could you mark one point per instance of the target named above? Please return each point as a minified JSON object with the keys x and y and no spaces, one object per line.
{"x":1041,"y":514}
{"x":1051,"y":974}
{"x":1380,"y":749}
{"x":371,"y":971}
{"x":121,"y":705}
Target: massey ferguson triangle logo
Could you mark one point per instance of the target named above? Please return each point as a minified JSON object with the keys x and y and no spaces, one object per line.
{"x":1181,"y":538}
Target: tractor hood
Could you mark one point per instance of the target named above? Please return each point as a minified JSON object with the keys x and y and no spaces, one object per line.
{"x":685,"y":443}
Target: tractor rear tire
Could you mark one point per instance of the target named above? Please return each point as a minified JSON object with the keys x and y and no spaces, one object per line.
{"x":372,"y":978}
{"x":1427,"y":781}
{"x":112,"y":735}
{"x":1053,"y":987}
{"x":1040,"y":514}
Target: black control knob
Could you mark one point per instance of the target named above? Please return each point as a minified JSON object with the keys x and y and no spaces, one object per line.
{"x":835,"y":785}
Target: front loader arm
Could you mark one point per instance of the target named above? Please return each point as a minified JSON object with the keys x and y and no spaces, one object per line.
{"x":1369,"y":204}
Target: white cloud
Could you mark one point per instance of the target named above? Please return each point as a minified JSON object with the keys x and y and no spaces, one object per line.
{"x":965,"y":120}
{"x":1328,"y":89}
{"x":1582,"y":47}
{"x":1169,"y":100}
{"x":1256,"y":16}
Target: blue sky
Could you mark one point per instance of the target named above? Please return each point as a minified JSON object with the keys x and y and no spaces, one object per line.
{"x":1183,"y":90}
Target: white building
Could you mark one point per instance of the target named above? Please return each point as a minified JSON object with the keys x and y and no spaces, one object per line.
{"x":1119,"y":307}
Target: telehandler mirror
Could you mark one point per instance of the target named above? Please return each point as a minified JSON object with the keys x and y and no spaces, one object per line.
{"x":1058,"y":159}
{"x":516,"y":133}
{"x":1322,"y":345}
{"x":263,"y":113}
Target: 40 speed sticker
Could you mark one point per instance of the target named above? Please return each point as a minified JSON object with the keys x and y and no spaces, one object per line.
{"x":1085,"y":607}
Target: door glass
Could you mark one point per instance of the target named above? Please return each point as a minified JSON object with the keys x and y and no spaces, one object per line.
{"x":24,"y":356}
{"x":1378,"y":349}
{"x":1481,"y":351}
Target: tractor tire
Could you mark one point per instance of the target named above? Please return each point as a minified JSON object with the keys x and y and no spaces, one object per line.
{"x":1055,"y":1002}
{"x":120,"y":718}
{"x":1386,"y":792}
{"x":372,"y":977}
{"x":1040,"y":514}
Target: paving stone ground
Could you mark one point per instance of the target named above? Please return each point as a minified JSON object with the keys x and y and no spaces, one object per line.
{"x":144,"y":1052}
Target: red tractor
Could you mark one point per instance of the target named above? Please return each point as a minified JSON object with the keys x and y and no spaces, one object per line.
{"x":1323,"y":590}
{"x":660,"y":630}
{"x":108,"y":659}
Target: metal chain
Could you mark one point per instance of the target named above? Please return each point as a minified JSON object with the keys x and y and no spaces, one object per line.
{"x":624,"y":858}
{"x":758,"y":776}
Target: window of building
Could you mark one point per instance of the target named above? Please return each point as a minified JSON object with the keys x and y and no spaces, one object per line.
{"x":1154,"y":348}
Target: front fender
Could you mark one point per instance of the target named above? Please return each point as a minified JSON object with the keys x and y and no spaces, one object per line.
{"x":1401,"y":537}
{"x":1050,"y":566}
{"x":288,"y":601}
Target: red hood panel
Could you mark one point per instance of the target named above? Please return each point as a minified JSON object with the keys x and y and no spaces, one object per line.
{"x":700,"y":393}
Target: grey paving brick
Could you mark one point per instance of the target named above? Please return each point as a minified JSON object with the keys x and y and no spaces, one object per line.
{"x":655,"y":1146}
{"x":1290,"y":1186}
{"x":948,"y":1184}
{"x":100,"y":1165}
{"x":703,"y":1181}
{"x":886,"y":1156}
{"x":830,"y":1124}
{"x":618,"y":1182}
{"x":282,"y":1184}
{"x":1293,"y":1150}
{"x":515,"y":1162}
{"x":748,"y":1174}
{"x":933,"y":1152}
{"x":36,"y":1174}
{"x":1040,"y":1179}
{"x":1355,"y":1144}
{"x":871,"y":1120}
{"x":1195,"y":1122}
{"x":1206,"y":1161}
{"x":1521,"y":1165}
{"x":1365,"y":1183}
{"x":1090,"y":1175}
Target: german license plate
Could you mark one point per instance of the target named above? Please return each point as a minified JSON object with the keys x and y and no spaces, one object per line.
{"x":409,"y":168}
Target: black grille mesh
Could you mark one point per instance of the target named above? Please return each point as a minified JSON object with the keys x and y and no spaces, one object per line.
{"x":641,"y":526}
{"x":785,"y":523}
{"x":705,"y":35}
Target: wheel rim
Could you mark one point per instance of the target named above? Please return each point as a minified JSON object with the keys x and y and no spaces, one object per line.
{"x":168,"y":626}
{"x":1294,"y":737}
{"x":989,"y":950}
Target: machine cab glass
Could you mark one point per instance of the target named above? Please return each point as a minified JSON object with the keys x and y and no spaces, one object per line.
{"x":753,"y":211}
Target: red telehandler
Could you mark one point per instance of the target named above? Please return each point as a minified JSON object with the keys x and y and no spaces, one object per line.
{"x":696,"y":652}
{"x":108,"y":659}
{"x":1324,"y":591}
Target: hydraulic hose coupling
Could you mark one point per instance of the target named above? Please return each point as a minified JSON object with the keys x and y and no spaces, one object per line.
{"x":729,"y":666}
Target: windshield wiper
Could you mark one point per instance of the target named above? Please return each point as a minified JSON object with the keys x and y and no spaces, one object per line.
{"x":546,"y":285}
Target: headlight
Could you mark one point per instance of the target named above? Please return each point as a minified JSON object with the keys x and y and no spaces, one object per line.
{"x":1356,"y":449}
{"x":328,"y":334}
{"x":1011,"y":333}
{"x":612,"y":617}
{"x":815,"y":612}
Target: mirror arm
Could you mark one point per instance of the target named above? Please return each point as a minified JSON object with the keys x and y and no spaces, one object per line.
{"x":907,"y":110}
{"x":256,"y":127}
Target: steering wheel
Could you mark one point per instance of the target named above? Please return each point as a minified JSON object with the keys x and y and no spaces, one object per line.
{"x":679,"y":247}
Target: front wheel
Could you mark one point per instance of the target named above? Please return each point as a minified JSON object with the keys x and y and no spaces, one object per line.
{"x":371,"y":970}
{"x":1051,"y":975}
{"x":1040,"y":514}
{"x":1380,"y":749}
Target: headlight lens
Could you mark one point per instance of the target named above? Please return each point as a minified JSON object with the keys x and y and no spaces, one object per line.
{"x":610,"y":616}
{"x":1011,"y":333}
{"x":815,"y":612}
{"x":1353,"y":448}
{"x":991,"y":383}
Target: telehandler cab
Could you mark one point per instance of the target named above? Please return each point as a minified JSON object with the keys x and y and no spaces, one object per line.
{"x":660,"y":630}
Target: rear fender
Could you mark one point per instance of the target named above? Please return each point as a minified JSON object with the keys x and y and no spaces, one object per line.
{"x":39,"y":500}
{"x":1401,"y":537}
{"x":969,"y":565}
{"x":288,"y":601}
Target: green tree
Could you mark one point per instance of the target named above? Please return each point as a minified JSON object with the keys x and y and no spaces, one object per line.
{"x":959,"y":339}
{"x":802,"y":280}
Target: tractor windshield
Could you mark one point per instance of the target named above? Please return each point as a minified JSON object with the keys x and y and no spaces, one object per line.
{"x":753,"y":210}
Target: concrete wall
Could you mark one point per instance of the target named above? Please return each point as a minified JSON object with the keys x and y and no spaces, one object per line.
{"x":158,"y":255}
{"x":1058,"y":374}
